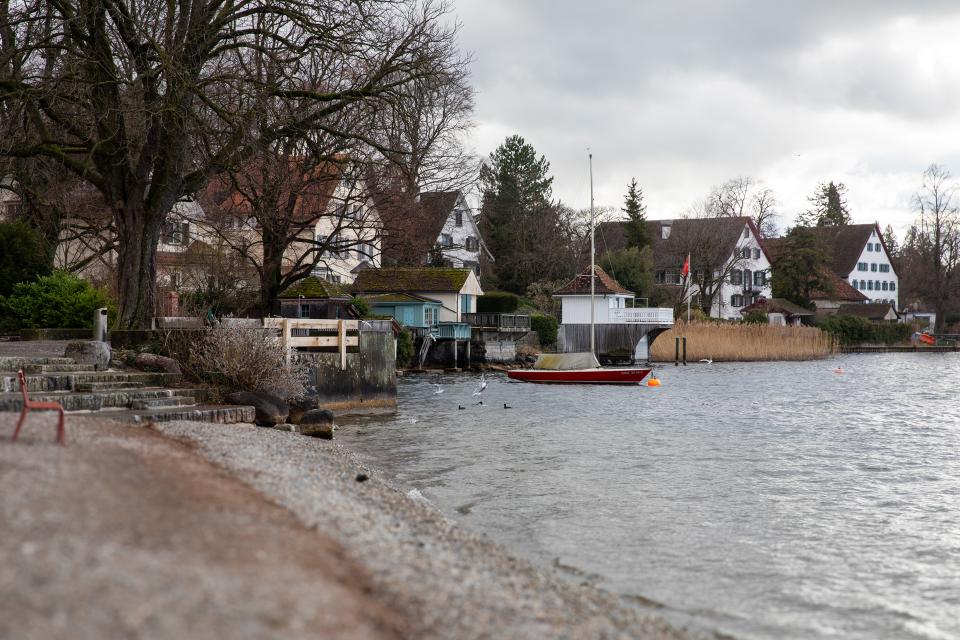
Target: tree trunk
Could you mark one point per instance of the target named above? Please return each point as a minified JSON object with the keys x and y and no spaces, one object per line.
{"x":136,"y":268}
{"x":270,"y":276}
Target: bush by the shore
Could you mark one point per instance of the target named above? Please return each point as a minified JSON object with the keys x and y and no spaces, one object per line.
{"x":546,"y":328}
{"x":853,"y":330}
{"x":742,"y":342}
{"x":498,"y":302}
{"x":61,"y":300}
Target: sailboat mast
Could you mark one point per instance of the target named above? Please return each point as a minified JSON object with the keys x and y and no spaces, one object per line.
{"x":593,"y":269}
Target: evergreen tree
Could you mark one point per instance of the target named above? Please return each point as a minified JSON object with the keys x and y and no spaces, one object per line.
{"x":523,"y":227}
{"x":636,"y":224}
{"x":829,"y":207}
{"x":890,"y":240}
{"x":632,"y":267}
{"x":800,"y":267}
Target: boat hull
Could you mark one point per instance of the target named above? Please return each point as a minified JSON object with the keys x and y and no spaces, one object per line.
{"x":579,"y":376}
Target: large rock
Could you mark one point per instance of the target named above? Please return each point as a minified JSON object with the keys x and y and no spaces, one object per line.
{"x":271,"y":410}
{"x":91,"y":352}
{"x":153,"y":362}
{"x":317,"y":423}
{"x":299,"y":407}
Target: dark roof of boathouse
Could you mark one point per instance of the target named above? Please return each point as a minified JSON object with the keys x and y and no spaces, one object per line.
{"x":314,"y":288}
{"x":778,"y":305}
{"x":406,"y":279}
{"x":605,"y":285}
{"x":876,"y":311}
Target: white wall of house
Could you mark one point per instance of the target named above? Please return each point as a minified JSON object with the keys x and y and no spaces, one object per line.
{"x":576,"y":309}
{"x":460,"y":237}
{"x":734,"y":294}
{"x":873,"y":275}
{"x":458,"y":303}
{"x":361,"y":232}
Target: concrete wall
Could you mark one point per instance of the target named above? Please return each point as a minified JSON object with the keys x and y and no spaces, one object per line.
{"x":369,"y":381}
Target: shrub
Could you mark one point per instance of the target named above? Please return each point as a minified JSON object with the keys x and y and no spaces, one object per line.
{"x":236,"y":358}
{"x":852,"y":330}
{"x":404,"y":349}
{"x":61,"y":301}
{"x":546,"y":328}
{"x":498,"y":302}
{"x":756,"y":316}
{"x":360,"y":306}
{"x":23,"y":256}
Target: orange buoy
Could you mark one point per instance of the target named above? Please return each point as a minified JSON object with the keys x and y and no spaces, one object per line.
{"x":653,"y":382}
{"x":838,"y":370}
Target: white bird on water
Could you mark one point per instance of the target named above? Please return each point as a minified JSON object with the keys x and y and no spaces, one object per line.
{"x":707,"y":360}
{"x":439,"y":390}
{"x":482,"y":386}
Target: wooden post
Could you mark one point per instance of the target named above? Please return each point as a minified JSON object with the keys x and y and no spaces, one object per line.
{"x":342,"y":343}
{"x":684,"y":350}
{"x":468,"y":354}
{"x":676,"y":353}
{"x":454,"y":353}
{"x":285,"y":338}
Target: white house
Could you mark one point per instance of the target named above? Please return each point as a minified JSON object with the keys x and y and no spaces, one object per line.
{"x":609,"y":295}
{"x":458,"y":237}
{"x":456,"y":289}
{"x":861,"y":257}
{"x":353,"y":223}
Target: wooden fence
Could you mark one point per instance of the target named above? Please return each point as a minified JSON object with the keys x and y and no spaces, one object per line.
{"x":298,"y":333}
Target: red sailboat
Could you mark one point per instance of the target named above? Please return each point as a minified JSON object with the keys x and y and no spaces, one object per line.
{"x":580,"y":368}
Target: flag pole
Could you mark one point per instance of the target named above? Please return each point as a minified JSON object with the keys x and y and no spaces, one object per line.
{"x":689,"y":289}
{"x":593,"y":269}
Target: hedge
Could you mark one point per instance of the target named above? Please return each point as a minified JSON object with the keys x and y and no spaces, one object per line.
{"x":546,"y":328}
{"x":498,"y":302}
{"x":853,"y":330}
{"x":61,"y":301}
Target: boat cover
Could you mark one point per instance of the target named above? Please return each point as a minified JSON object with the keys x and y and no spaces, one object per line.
{"x":566,"y":361}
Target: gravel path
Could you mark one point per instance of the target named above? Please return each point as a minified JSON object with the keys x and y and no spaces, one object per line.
{"x":453,"y":583}
{"x":125,"y":533}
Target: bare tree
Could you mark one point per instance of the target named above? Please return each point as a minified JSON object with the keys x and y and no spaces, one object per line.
{"x":934,"y":240}
{"x":144,"y":100}
{"x":744,"y":196}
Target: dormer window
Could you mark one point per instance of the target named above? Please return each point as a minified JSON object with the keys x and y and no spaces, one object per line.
{"x":665,"y":231}
{"x":459,"y":218}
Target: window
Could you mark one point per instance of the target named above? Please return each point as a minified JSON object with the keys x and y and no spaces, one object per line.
{"x":759,"y":278}
{"x":175,"y":233}
{"x":472,"y":244}
{"x":446,"y":240}
{"x":736,"y":277}
{"x":876,"y":285}
{"x":869,"y":246}
{"x":660,"y":277}
{"x":746,"y":232}
{"x":870,"y":285}
{"x":863,"y":285}
{"x":884,"y":268}
{"x":465,"y":303}
{"x":429,"y":316}
{"x":745,"y":254}
{"x":459,"y":218}
{"x":873,"y":266}
{"x":893,"y":286}
{"x":861,"y":266}
{"x":747,"y":276}
{"x":304,"y":310}
{"x":736,"y":301}
{"x":756,"y":254}
{"x":884,"y":285}
{"x":854,"y":283}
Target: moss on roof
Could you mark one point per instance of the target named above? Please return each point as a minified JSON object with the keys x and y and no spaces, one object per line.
{"x":401,"y":298}
{"x":401,"y":279}
{"x":315,"y":288}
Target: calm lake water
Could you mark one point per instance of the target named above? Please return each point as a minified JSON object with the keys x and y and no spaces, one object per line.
{"x":765,"y":500}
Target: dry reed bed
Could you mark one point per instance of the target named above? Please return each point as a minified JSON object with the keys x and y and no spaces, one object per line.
{"x":742,"y":342}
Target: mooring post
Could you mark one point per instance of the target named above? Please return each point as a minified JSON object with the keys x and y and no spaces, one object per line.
{"x":676,"y":352}
{"x":342,"y":343}
{"x":684,"y":350}
{"x":285,"y":338}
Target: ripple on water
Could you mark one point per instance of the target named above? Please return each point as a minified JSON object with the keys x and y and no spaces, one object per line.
{"x":767,"y":500}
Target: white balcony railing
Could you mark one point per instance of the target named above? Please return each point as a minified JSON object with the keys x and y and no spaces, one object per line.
{"x":642,"y":315}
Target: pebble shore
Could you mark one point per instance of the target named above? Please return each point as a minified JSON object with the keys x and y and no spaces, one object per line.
{"x":450,"y":582}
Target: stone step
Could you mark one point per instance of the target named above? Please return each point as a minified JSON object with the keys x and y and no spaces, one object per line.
{"x":220,"y":414}
{"x":31,"y":369}
{"x":109,"y":399}
{"x":15,"y":363}
{"x":157,"y":403}
{"x":87,"y":387}
{"x":68,"y":381}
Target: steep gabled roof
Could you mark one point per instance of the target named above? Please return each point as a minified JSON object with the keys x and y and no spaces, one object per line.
{"x":605,"y":285}
{"x":845,"y":244}
{"x":669,"y":253}
{"x":407,"y":279}
{"x":870,"y":311}
{"x":841,"y":288}
{"x":778,"y":305}
{"x":314,"y":288}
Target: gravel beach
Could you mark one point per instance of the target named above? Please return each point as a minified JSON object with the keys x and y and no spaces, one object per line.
{"x":132,"y":532}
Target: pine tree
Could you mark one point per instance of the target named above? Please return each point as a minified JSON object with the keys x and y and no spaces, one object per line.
{"x":636,"y":224}
{"x":890,"y":240}
{"x":517,"y":213}
{"x":829,"y":207}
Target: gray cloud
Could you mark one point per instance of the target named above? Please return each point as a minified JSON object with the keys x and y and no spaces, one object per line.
{"x":686,"y":94}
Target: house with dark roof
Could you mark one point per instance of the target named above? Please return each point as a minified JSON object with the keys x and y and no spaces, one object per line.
{"x":859,"y":257}
{"x":780,"y":311}
{"x":438,"y":228}
{"x":729,"y":264}
{"x":455,"y":289}
{"x":316,"y":298}
{"x":873,"y":311}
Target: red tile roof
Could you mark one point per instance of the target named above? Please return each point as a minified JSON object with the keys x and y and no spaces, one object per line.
{"x":605,"y":285}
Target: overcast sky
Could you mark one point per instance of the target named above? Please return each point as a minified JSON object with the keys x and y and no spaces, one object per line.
{"x":685,"y":94}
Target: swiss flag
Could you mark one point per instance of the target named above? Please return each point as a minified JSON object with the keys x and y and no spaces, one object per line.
{"x":686,"y":266}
